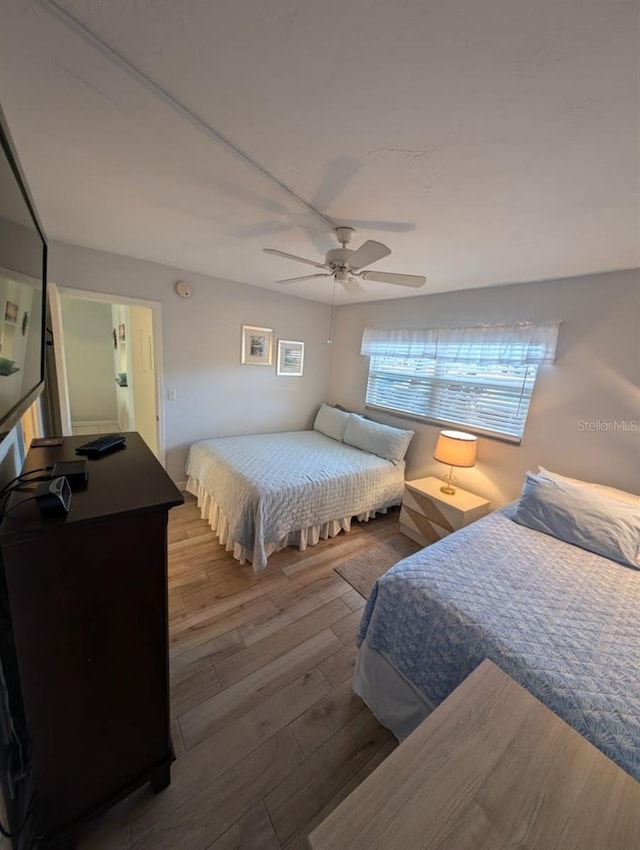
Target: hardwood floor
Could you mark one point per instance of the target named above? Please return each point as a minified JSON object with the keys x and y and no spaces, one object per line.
{"x":269,"y":737}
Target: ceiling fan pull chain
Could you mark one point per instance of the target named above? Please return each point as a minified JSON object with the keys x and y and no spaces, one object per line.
{"x":333,"y":307}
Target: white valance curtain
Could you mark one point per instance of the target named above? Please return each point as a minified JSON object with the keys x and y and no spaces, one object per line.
{"x":524,"y":343}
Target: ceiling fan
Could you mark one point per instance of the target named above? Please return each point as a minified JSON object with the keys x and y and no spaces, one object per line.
{"x":347,"y":265}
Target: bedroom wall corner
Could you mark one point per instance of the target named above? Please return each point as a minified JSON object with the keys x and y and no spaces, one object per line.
{"x":584,"y":418}
{"x":201,"y":335}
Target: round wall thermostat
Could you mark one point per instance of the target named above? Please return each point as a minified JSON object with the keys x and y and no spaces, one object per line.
{"x":184,"y":289}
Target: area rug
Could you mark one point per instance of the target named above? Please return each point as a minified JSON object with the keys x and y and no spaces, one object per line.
{"x":362,"y":570}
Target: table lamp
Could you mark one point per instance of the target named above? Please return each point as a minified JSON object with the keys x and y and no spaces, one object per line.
{"x":455,"y":448}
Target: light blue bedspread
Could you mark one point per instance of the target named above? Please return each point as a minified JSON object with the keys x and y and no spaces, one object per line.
{"x":561,"y":621}
{"x":268,"y":485}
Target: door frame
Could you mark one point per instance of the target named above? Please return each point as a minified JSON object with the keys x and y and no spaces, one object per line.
{"x":60,"y":364}
{"x":156,"y":320}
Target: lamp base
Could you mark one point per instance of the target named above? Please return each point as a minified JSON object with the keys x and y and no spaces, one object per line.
{"x":448,"y":487}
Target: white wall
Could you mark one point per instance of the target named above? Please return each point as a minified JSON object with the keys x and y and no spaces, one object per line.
{"x":88,"y":348}
{"x":596,"y":378}
{"x":215,"y":395}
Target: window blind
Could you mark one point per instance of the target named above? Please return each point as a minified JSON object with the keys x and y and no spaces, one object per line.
{"x":479,"y":378}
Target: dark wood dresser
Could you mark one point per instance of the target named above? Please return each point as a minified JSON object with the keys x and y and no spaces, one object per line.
{"x":85,"y":638}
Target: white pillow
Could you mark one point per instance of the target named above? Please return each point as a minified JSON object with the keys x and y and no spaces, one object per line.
{"x":611,"y":492}
{"x":331,"y":422}
{"x":581,"y":516}
{"x":382,"y":440}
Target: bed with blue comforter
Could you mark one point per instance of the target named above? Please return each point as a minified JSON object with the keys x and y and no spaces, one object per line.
{"x":561,"y":621}
{"x":262,"y":492}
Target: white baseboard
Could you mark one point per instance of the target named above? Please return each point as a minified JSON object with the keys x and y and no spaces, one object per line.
{"x":181,"y":485}
{"x":96,"y":423}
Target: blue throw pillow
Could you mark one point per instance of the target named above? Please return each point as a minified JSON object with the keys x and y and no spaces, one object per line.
{"x":577,"y":515}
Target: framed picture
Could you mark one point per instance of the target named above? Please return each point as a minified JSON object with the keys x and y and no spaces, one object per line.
{"x":257,"y":346}
{"x":290,"y":357}
{"x":10,"y":312}
{"x":121,"y":333}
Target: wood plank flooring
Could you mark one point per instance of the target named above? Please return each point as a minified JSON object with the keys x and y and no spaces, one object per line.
{"x":269,"y":736}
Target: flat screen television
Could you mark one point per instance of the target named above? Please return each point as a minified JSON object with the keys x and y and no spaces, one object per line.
{"x":23,"y":273}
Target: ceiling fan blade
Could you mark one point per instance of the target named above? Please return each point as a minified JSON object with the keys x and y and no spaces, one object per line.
{"x":352,"y":287}
{"x":388,"y":226}
{"x":321,"y":240}
{"x":236,"y":192}
{"x":306,"y":277}
{"x":414,"y":280}
{"x":368,"y":253}
{"x":262,"y":229}
{"x":339,"y":173}
{"x":293,"y":257}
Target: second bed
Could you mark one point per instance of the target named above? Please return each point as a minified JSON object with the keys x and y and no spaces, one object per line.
{"x":263,"y":492}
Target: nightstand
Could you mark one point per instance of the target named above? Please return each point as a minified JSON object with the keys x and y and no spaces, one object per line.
{"x":428,"y":514}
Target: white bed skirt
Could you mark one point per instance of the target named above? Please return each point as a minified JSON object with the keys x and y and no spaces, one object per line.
{"x":301,"y":538}
{"x":395,"y":701}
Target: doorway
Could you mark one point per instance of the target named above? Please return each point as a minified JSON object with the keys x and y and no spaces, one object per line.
{"x":107,"y":364}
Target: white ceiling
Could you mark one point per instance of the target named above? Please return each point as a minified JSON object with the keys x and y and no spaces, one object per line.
{"x":485,"y":141}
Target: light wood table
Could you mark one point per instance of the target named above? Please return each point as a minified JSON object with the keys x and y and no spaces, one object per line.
{"x":428,"y":514}
{"x":490,"y":768}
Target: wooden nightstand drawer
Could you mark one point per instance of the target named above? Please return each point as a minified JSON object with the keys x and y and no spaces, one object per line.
{"x":428,"y":514}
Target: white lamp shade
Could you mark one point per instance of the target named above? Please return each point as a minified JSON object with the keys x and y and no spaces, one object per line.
{"x":455,"y":448}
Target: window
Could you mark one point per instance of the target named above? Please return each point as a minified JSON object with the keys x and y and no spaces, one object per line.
{"x":480,"y":378}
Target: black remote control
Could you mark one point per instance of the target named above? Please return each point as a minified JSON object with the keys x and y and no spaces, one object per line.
{"x":101,"y":445}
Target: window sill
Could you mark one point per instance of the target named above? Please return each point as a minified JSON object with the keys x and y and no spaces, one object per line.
{"x":481,"y":432}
